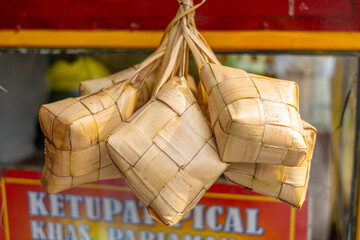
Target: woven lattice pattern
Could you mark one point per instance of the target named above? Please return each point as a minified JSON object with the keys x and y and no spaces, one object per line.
{"x":75,"y":131}
{"x":288,"y":184}
{"x":255,"y":119}
{"x":162,"y":149}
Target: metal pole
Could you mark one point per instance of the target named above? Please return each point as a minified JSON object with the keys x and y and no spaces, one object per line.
{"x":353,"y":232}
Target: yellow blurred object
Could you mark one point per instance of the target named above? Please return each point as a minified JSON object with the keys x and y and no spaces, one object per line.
{"x":64,"y":76}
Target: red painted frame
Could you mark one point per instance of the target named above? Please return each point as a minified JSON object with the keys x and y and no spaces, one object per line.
{"x":301,"y":15}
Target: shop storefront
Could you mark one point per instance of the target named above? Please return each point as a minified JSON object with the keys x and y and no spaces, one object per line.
{"x":47,"y":48}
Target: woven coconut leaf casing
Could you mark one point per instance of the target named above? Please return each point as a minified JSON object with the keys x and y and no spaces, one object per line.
{"x":289,"y":184}
{"x":75,"y":130}
{"x":255,"y":119}
{"x":162,"y":151}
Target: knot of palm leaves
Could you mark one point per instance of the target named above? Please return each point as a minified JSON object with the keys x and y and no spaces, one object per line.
{"x":186,"y":3}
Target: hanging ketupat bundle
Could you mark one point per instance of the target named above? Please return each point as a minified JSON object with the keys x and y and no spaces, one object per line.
{"x":163,"y":147}
{"x":162,"y":151}
{"x":289,"y":184}
{"x":166,"y":150}
{"x":75,"y":130}
{"x":254,"y":119}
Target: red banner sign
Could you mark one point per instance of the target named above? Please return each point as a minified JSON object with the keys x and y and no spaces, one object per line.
{"x":108,"y":210}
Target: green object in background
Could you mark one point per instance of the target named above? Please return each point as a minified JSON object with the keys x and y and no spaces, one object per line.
{"x":64,"y":76}
{"x":250,"y":63}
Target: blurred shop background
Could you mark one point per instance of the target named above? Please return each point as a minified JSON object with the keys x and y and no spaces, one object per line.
{"x":325,"y":81}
